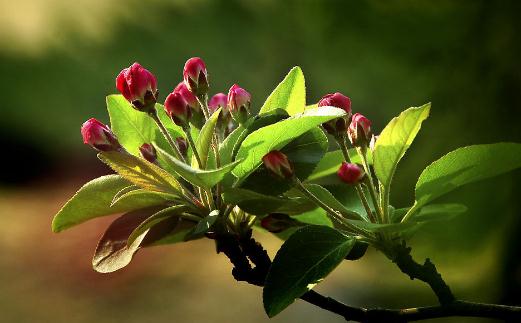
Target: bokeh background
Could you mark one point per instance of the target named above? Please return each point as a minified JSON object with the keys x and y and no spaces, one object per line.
{"x":59,"y":58}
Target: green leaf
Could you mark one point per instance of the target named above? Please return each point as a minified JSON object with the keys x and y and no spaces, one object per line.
{"x":199,"y":177}
{"x":93,"y":200}
{"x":304,"y":153}
{"x":394,"y":141}
{"x":204,"y":140}
{"x":308,"y":256}
{"x":289,"y":95}
{"x":434,"y":212}
{"x":325,"y":196}
{"x":133,"y":128}
{"x":141,"y":172}
{"x":332,"y":160}
{"x":205,"y":224}
{"x":158,"y":217}
{"x":178,"y":234}
{"x":260,"y":204}
{"x":142,"y":195}
{"x":382,"y":227}
{"x":278,"y":135}
{"x":463,"y":166}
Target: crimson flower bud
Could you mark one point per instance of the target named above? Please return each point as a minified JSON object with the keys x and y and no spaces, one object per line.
{"x":99,"y":136}
{"x":279,"y":164}
{"x":182,"y":145}
{"x":217,"y":101}
{"x":177,"y":108}
{"x":239,"y":101}
{"x":350,"y":173}
{"x":338,"y":100}
{"x":138,"y":86}
{"x":148,"y":152}
{"x":188,"y":96}
{"x":359,"y":131}
{"x":195,"y":76}
{"x":277,"y":222}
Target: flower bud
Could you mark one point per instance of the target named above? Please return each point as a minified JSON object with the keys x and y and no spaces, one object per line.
{"x":177,"y":108}
{"x":239,"y":101}
{"x":182,"y":145}
{"x":99,"y":136}
{"x":278,"y":163}
{"x":195,"y":76}
{"x":277,"y":222}
{"x":359,"y":131}
{"x":138,"y":86}
{"x":217,"y":101}
{"x":188,"y":96}
{"x":148,"y":152}
{"x":350,"y":173}
{"x":337,"y":126}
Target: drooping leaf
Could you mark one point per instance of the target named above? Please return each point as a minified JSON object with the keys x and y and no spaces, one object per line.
{"x":199,"y":177}
{"x":304,"y":153}
{"x":304,"y":260}
{"x":278,"y":135}
{"x":260,"y":204}
{"x":93,"y":200}
{"x":466,"y":165}
{"x":162,"y":215}
{"x":289,"y":95}
{"x":141,"y":172}
{"x":178,"y":234}
{"x":112,"y":252}
{"x":394,"y":141}
{"x":204,"y":140}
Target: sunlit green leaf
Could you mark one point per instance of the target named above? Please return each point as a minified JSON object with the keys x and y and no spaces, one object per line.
{"x":204,"y":140}
{"x":289,"y":95}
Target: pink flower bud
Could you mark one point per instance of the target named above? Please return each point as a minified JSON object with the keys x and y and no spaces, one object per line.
{"x":278,"y":222}
{"x":218,"y":101}
{"x":337,"y":126}
{"x":195,"y":76}
{"x":99,"y":136}
{"x":337,"y":100}
{"x":138,"y":86}
{"x":278,"y":163}
{"x":182,"y":145}
{"x":239,"y":101}
{"x":177,"y":108}
{"x":188,"y":96}
{"x":359,"y":131}
{"x":148,"y":152}
{"x":350,"y":173}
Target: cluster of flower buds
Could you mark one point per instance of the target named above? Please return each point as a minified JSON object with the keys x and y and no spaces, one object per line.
{"x":224,"y":123}
{"x":148,"y":152}
{"x":337,"y":127}
{"x":350,"y":173}
{"x":278,"y":164}
{"x":139,"y":87}
{"x":99,"y":136}
{"x":239,"y":101}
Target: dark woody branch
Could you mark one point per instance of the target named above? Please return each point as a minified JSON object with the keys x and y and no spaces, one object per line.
{"x":245,"y":251}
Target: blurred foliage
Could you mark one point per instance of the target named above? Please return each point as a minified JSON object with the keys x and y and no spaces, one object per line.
{"x":463,"y":56}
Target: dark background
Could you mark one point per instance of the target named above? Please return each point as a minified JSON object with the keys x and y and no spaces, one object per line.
{"x":58,"y":60}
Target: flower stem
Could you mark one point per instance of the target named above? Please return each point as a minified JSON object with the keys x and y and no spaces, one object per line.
{"x":381,"y":209}
{"x":167,"y":135}
{"x":194,"y":148}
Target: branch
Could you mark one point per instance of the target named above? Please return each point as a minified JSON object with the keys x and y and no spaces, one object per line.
{"x":242,"y":251}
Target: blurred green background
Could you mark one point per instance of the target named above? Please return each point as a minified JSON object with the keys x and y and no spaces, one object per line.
{"x":58,"y":60}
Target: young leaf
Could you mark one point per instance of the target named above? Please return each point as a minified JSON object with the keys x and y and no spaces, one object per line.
{"x":325,"y":196}
{"x":204,"y":225}
{"x":278,"y":135}
{"x":144,"y":196}
{"x":112,"y":252}
{"x":167,"y":213}
{"x":463,"y":166}
{"x":93,"y":200}
{"x":260,"y":204}
{"x":202,"y":178}
{"x":304,"y":260}
{"x":204,"y":141}
{"x":304,"y":153}
{"x":394,"y":141}
{"x":289,"y":95}
{"x":141,"y":172}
